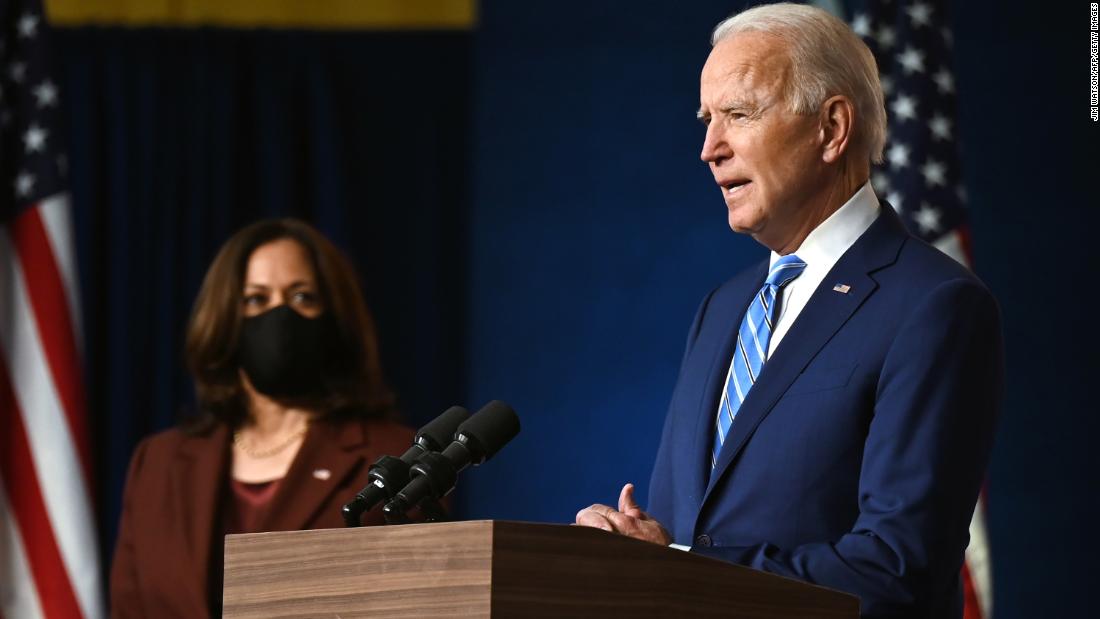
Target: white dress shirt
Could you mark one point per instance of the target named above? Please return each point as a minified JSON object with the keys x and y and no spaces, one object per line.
{"x":820,"y":251}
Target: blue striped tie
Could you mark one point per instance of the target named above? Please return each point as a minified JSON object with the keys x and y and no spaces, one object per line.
{"x":752,"y":346}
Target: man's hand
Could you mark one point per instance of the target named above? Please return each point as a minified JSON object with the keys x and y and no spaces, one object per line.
{"x":629,"y":520}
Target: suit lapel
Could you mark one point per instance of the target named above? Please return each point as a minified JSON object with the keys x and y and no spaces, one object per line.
{"x":199,"y":478}
{"x":823,"y":315}
{"x":330,"y":453}
{"x":719,"y":362}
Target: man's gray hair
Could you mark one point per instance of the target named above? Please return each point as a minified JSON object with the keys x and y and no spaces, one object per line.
{"x":827,"y":59}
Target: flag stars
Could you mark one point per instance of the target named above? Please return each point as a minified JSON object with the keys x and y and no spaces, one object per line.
{"x":911,"y":60}
{"x":904,"y":107}
{"x":17,"y":71}
{"x":898,"y":156}
{"x":940,"y":127}
{"x":894,"y":198}
{"x":887,"y":84}
{"x":934,"y":172}
{"x":34,"y":140}
{"x":920,"y":14}
{"x":927,"y":218}
{"x":880,"y":181}
{"x":46,"y":93}
{"x":27,"y":25}
{"x":886,"y":37}
{"x":945,"y":83}
{"x":24,"y":183}
{"x":861,"y":25}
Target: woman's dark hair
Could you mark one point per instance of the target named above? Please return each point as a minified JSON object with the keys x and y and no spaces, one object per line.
{"x":355,"y":382}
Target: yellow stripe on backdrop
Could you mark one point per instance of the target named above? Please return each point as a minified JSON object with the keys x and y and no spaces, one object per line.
{"x":295,"y":14}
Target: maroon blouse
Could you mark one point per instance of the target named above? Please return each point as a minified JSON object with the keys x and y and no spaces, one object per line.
{"x":248,"y":504}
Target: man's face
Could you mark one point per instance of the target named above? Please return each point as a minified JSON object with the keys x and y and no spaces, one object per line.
{"x":765,"y":158}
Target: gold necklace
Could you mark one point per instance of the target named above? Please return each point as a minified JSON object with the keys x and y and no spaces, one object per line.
{"x":259,"y":454}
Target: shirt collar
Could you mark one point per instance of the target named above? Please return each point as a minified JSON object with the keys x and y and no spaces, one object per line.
{"x":831,"y":238}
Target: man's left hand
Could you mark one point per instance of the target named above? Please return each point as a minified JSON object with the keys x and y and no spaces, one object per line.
{"x":628,"y":520}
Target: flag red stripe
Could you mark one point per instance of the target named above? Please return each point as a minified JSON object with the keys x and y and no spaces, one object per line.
{"x":967,"y":243}
{"x":971,"y":608}
{"x":46,"y":291}
{"x":55,"y":593}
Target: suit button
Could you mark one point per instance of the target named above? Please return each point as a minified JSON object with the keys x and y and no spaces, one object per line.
{"x":703,"y":540}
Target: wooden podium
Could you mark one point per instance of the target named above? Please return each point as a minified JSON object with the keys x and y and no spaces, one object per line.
{"x":489,"y":568}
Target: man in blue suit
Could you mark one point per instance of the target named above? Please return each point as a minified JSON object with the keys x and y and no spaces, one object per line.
{"x":835,"y":407}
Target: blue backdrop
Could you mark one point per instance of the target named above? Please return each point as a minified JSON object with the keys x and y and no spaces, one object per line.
{"x":527,"y":208}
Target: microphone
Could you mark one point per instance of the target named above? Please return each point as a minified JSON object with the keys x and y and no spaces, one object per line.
{"x":388,"y":474}
{"x":434,"y":474}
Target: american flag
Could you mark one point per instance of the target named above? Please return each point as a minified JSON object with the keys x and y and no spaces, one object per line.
{"x":921,"y":176}
{"x":48,"y":558}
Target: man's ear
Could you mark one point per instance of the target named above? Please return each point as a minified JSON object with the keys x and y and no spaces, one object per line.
{"x":837,"y":122}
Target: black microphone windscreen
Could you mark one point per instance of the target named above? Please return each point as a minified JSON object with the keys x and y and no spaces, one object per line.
{"x":489,"y":429}
{"x":439,"y":432}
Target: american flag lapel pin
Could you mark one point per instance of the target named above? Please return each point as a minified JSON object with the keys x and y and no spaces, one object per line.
{"x":842,"y":288}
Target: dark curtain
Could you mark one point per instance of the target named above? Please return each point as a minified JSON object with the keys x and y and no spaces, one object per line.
{"x":179,"y":137}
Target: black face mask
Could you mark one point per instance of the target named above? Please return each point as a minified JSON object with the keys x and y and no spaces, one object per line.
{"x":285,"y":354}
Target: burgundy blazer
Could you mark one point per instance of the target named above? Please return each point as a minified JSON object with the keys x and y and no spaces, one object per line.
{"x":171,"y":521}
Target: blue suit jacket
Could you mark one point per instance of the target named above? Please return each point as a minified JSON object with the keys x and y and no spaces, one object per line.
{"x":856,"y":459}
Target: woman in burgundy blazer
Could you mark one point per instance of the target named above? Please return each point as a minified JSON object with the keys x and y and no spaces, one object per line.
{"x":294,"y":409}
